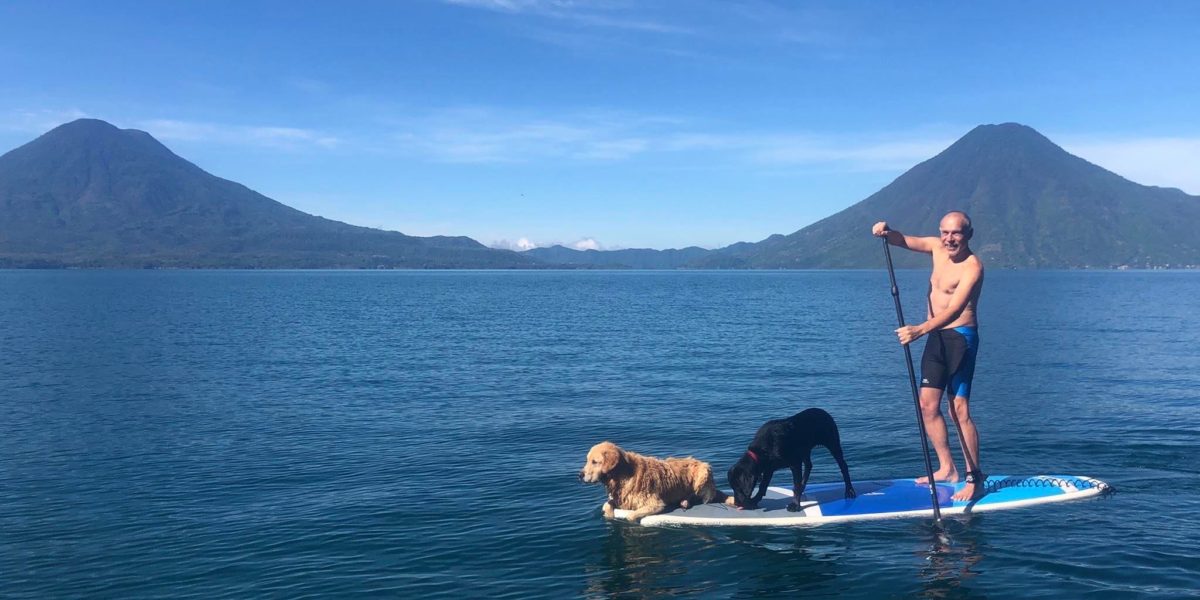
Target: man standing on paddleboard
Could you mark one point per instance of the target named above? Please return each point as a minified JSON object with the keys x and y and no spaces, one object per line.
{"x":948,"y":364}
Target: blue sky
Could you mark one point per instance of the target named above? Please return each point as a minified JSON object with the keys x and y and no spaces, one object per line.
{"x":613,"y":123}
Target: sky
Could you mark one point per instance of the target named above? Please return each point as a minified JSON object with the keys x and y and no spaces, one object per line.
{"x":603,"y":124}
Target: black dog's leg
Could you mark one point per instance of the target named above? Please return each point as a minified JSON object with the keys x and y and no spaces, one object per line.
{"x":762,"y":487}
{"x":836,"y":451}
{"x":799,"y":481}
{"x":804,"y":481}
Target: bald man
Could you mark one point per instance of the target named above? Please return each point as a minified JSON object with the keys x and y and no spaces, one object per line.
{"x":948,"y":364}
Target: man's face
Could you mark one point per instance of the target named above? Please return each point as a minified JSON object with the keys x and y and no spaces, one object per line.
{"x":954,"y":235}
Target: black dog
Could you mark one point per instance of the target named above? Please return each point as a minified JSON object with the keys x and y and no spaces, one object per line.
{"x":783,"y":443}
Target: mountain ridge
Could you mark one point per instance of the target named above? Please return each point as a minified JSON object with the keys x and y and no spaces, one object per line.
{"x":88,"y":194}
{"x":91,"y":195}
{"x":1033,"y":204}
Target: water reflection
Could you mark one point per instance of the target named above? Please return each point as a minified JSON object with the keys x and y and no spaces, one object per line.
{"x":654,"y":562}
{"x":949,"y":556}
{"x":637,"y":561}
{"x":787,"y":562}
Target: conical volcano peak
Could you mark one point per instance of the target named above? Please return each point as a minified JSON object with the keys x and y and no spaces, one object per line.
{"x":86,"y":124}
{"x":88,"y":129}
{"x":1010,"y":130}
{"x":1033,"y":204}
{"x":88,"y":193}
{"x":1005,"y":136}
{"x":1003,"y":150}
{"x":91,"y":136}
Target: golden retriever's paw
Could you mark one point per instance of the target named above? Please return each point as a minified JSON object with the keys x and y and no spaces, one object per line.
{"x":729,"y":500}
{"x":633,"y":518}
{"x":608,"y":511}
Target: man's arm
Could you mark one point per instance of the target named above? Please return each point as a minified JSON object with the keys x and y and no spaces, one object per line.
{"x":962,"y":294}
{"x":909,"y":242}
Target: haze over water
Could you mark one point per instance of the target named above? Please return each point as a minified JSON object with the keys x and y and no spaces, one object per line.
{"x":317,"y":434}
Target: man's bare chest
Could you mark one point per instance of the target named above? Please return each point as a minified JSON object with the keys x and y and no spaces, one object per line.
{"x":945,"y":278}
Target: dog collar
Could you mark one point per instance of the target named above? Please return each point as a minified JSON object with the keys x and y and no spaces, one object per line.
{"x":752,"y":455}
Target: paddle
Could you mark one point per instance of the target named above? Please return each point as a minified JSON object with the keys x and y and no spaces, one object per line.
{"x":912,"y":380}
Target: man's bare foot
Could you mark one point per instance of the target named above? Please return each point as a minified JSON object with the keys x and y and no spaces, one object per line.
{"x":945,"y":476}
{"x":972,"y":489}
{"x":966,"y":493}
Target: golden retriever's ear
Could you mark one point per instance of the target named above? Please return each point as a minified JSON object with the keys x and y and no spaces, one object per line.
{"x":611,"y":457}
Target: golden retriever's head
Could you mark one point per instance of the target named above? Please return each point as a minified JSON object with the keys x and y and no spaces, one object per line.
{"x":602,"y":460}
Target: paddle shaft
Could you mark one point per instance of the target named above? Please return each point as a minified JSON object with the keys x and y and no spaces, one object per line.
{"x":912,"y":381}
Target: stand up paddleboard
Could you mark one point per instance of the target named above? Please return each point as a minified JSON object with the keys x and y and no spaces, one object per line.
{"x":883,"y":499}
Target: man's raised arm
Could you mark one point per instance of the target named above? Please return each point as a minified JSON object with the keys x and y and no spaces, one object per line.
{"x":910,"y":242}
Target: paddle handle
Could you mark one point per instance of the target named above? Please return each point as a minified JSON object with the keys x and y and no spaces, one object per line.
{"x":912,"y":381}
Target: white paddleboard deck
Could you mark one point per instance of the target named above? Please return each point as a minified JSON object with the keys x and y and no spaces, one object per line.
{"x":883,"y":499}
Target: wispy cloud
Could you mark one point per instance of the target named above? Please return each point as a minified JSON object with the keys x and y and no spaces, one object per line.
{"x":524,"y":243}
{"x":604,"y":15}
{"x":1161,"y":161}
{"x":854,"y":152}
{"x":489,"y":136}
{"x":284,"y":138}
{"x":521,"y":245}
{"x":708,"y":32}
{"x":587,"y":244}
{"x":516,"y":6}
{"x":281,"y":138}
{"x":308,"y":85}
{"x":485,"y":136}
{"x":39,"y":120}
{"x":482,"y":136}
{"x":494,"y":136}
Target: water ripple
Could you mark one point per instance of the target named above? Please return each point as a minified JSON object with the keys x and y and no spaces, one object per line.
{"x":295,"y":434}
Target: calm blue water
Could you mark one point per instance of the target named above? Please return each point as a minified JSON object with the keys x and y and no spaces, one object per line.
{"x":320,"y":434}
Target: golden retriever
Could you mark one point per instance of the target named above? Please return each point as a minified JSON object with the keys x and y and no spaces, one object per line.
{"x":646,"y":485}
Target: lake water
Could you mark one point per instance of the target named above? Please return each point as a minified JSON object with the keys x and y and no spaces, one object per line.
{"x":321,"y":434}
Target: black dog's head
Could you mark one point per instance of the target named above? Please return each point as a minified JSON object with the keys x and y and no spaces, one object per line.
{"x":743,"y":476}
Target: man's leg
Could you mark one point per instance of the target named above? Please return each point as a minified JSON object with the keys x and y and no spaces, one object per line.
{"x":970,"y":442}
{"x":935,"y":428}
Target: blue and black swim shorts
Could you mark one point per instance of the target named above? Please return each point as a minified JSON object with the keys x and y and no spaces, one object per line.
{"x":949,"y":360}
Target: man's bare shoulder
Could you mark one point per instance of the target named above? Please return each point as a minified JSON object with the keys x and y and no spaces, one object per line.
{"x":974,"y":263}
{"x":973,"y":267}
